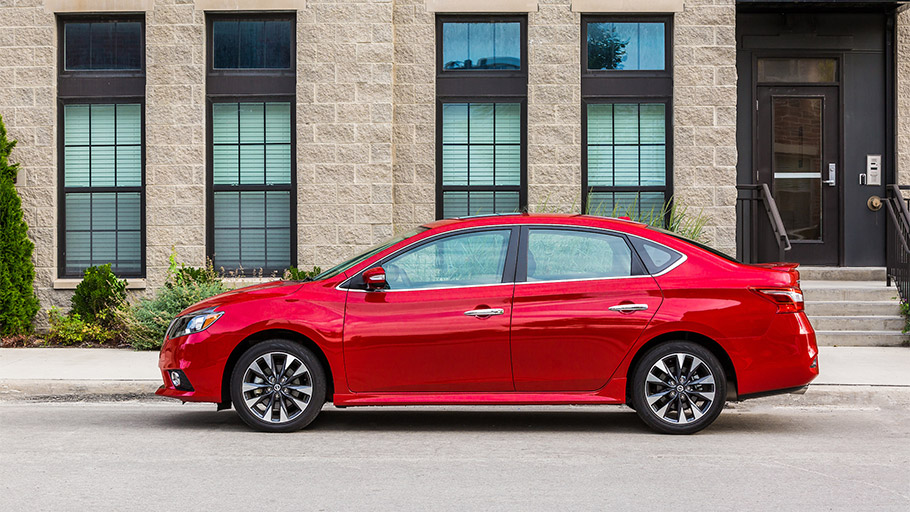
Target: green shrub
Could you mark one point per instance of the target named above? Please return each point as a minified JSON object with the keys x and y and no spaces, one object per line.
{"x":672,"y":216}
{"x":18,"y":303}
{"x":99,"y":297}
{"x":185,"y":286}
{"x":295,"y":274}
{"x":71,"y":329}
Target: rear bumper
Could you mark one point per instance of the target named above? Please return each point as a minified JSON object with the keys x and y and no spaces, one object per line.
{"x":784,"y":359}
{"x":798,"y":390}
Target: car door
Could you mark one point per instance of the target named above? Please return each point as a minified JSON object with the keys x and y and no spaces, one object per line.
{"x":581,"y":300}
{"x":442,"y":324}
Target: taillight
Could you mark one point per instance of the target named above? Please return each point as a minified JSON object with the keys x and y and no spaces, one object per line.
{"x":788,"y":300}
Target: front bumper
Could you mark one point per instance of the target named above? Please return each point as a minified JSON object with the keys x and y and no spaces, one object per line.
{"x":201,"y":364}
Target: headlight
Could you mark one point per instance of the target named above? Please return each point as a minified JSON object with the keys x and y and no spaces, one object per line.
{"x":193,"y":323}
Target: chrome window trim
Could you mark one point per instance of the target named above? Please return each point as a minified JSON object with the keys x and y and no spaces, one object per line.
{"x":676,"y":264}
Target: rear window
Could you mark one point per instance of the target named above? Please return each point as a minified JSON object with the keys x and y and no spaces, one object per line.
{"x":656,"y":257}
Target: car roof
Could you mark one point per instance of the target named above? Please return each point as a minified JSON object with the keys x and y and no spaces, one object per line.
{"x":536,"y":218}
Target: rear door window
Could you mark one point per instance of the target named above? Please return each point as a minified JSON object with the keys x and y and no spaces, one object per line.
{"x":565,"y":255}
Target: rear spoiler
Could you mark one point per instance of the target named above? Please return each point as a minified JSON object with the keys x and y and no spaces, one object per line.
{"x":783,"y":266}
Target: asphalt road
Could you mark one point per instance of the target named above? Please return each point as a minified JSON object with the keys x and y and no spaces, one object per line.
{"x":848,"y":449}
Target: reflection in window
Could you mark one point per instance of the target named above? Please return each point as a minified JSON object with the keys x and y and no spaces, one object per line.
{"x":626,"y":46}
{"x":251,"y":44}
{"x":102,"y":174}
{"x":102,"y":46}
{"x":798,"y":165}
{"x":627,"y":158}
{"x":470,"y":259}
{"x":481,"y":158}
{"x":471,"y":46}
{"x":781,"y":70}
{"x":251,"y":170}
{"x":556,"y":255}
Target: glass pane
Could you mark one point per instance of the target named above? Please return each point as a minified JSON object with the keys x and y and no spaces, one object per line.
{"x":556,"y":255}
{"x":600,"y":123}
{"x":104,"y":211}
{"x":129,"y":211}
{"x":508,"y":123}
{"x":225,"y":44}
{"x":252,"y":123}
{"x":455,"y":123}
{"x":653,"y":124}
{"x":251,"y":44}
{"x":626,"y":46}
{"x":102,"y":46}
{"x":224,"y":123}
{"x":455,"y":165}
{"x":481,"y":165}
{"x":103,"y":228}
{"x":76,"y":166}
{"x":797,"y":164}
{"x":471,"y":259}
{"x":129,"y":124}
{"x":508,"y":165}
{"x":225,"y":164}
{"x":252,"y":230}
{"x":129,"y":166}
{"x":625,"y":124}
{"x":600,"y":166}
{"x":506,"y":202}
{"x":625,"y":165}
{"x":226,"y":206}
{"x":473,"y":46}
{"x":277,"y":164}
{"x":454,"y":204}
{"x":252,"y":165}
{"x":481,"y":123}
{"x":102,"y":124}
{"x":77,"y":45}
{"x":103,"y":166}
{"x":278,"y":123}
{"x":76,"y":125}
{"x":128,"y":45}
{"x":797,"y":70}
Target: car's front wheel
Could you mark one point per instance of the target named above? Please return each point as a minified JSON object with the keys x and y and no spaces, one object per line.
{"x":278,"y":386}
{"x":679,"y":388}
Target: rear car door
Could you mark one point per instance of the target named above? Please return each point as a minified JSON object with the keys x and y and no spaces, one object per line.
{"x":443,"y":323}
{"x":582,"y":298}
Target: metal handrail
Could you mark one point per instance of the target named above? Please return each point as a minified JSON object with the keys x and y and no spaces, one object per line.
{"x":773,"y":214}
{"x":898,"y":239}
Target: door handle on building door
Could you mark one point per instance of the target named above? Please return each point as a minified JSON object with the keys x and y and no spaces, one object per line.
{"x":832,"y":175}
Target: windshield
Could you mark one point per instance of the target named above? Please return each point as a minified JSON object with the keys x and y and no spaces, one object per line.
{"x":697,"y":244}
{"x":337,"y":269}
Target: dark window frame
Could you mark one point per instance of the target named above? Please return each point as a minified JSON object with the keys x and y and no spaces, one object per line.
{"x":249,"y":81}
{"x":97,"y":82}
{"x":98,"y":87}
{"x":62,"y":189}
{"x":211,"y":188}
{"x":482,"y":86}
{"x":626,"y":86}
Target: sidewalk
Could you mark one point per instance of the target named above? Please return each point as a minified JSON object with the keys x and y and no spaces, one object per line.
{"x":27,"y":372}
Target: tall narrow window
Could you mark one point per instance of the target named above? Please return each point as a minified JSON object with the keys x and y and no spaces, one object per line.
{"x":481,"y":92}
{"x":101,"y":87}
{"x":626,"y":94}
{"x":252,"y":196}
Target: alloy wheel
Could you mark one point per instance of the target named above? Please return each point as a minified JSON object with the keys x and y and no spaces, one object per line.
{"x":277,"y":387}
{"x":680,"y":388}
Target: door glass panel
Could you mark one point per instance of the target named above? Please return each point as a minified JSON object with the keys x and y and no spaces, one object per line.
{"x":797,"y":165}
{"x":558,"y":255}
{"x":470,"y":259}
{"x":797,"y":70}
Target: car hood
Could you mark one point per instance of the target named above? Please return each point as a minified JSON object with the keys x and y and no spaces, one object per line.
{"x":247,"y":293}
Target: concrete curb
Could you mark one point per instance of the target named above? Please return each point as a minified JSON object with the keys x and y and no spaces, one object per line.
{"x":88,"y":389}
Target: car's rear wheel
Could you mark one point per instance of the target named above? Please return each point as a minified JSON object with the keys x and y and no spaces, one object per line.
{"x":278,"y":386}
{"x":679,"y":388}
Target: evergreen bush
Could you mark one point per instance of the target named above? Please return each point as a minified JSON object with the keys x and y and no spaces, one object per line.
{"x":18,"y":303}
{"x":100,"y":296}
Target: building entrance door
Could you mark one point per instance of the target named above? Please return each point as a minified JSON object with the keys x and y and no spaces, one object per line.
{"x":798,"y":156}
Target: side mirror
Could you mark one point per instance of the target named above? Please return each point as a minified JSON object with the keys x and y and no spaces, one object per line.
{"x":374,"y":278}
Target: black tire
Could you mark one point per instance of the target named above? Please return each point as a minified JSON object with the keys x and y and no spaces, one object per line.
{"x":286,"y":399}
{"x":699,"y":365}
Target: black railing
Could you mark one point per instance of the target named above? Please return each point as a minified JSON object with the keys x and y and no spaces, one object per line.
{"x":748,"y":209}
{"x":898,"y":239}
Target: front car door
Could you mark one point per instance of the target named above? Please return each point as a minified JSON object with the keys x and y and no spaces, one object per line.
{"x":582,"y":298}
{"x":443,"y":322}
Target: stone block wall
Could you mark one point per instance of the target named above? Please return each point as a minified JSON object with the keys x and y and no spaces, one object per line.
{"x":903,"y":97}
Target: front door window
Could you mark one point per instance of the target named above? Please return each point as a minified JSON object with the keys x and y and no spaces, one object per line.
{"x":797,"y":165}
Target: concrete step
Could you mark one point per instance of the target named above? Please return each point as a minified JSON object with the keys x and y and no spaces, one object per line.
{"x":842,"y":273}
{"x":850,"y":308}
{"x":861,"y":338}
{"x":847,"y":290}
{"x":857,"y":323}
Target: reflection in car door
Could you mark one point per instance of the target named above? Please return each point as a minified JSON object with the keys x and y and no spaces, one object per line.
{"x":582,"y":298}
{"x":443,"y":323}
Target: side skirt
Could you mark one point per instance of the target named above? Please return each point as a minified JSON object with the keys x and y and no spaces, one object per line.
{"x":505,"y":398}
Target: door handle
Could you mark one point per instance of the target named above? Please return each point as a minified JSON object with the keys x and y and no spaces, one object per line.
{"x":484,"y":312}
{"x":628,"y":308}
{"x":832,"y":175}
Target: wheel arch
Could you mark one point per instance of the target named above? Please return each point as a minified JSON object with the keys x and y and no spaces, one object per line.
{"x":693,"y":337}
{"x":270,"y":334}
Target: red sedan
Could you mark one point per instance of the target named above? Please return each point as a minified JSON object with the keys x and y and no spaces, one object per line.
{"x":510,"y":309}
